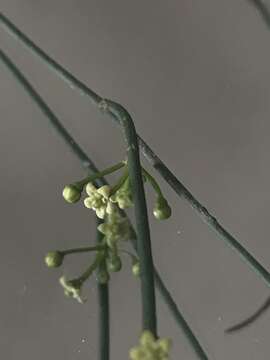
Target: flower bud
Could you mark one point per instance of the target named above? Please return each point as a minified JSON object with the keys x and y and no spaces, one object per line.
{"x":103,"y":276}
{"x":71,"y":194}
{"x":114,"y":264}
{"x":136,"y":269}
{"x":162,"y":209}
{"x":54,"y":259}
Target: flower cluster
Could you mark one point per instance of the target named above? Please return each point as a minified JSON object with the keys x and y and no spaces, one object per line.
{"x":150,"y":348}
{"x":108,"y":203}
{"x":123,"y":197}
{"x":115,"y":228}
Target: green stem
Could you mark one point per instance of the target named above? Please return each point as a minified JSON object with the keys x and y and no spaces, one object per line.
{"x":86,"y":162}
{"x":100,"y":174}
{"x":89,"y":271}
{"x":168,"y":176}
{"x":141,"y":216}
{"x":65,"y":75}
{"x":104,"y":312}
{"x":120,"y":182}
{"x":82,"y":250}
{"x":204,"y":214}
{"x":263,"y":10}
{"x":179,"y":318}
{"x":153,"y":182}
{"x":134,"y":259}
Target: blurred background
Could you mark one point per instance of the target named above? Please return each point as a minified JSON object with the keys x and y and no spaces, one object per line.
{"x":195,"y":77}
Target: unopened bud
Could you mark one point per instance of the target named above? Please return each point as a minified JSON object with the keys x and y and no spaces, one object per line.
{"x":162,"y":209}
{"x":54,"y":259}
{"x":71,"y":194}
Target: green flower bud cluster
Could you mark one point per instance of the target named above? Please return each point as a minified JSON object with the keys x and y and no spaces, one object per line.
{"x":107,"y":203}
{"x":114,"y":262}
{"x":116,"y":227}
{"x":150,"y":348}
{"x":123,"y":196}
{"x":72,"y":288}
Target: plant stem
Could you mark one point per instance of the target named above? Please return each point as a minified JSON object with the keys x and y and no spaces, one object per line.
{"x":153,"y":182}
{"x":168,"y":176}
{"x":59,"y":70}
{"x":142,"y":225}
{"x":104,"y":312}
{"x":89,"y":271}
{"x":204,"y":214}
{"x":100,"y":174}
{"x":86,"y":162}
{"x":82,"y":250}
{"x":263,"y":10}
{"x":179,"y":318}
{"x":120,"y":182}
{"x":133,"y":258}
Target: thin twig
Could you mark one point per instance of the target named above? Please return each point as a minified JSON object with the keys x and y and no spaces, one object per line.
{"x":88,"y":163}
{"x":250,"y":320}
{"x":104,"y":313}
{"x":156,"y":162}
{"x":263,"y":10}
{"x":141,"y":216}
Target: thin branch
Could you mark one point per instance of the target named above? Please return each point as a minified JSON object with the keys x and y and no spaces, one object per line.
{"x":104,"y":313}
{"x":156,"y":162}
{"x":250,"y":320}
{"x":141,"y":216}
{"x":179,"y":318}
{"x":263,"y":10}
{"x":86,"y":161}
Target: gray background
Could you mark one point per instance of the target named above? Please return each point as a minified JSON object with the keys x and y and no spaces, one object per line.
{"x":195,"y":77}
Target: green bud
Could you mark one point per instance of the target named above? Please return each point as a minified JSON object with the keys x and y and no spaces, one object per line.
{"x":54,"y":259}
{"x":136,"y":269}
{"x":71,"y":194}
{"x":162,"y":209}
{"x":103,"y":276}
{"x":114,"y":264}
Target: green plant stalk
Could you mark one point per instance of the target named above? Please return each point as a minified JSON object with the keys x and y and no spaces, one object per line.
{"x":104,"y":312}
{"x":141,"y":216}
{"x":153,"y":182}
{"x":120,"y":182}
{"x":87,"y":163}
{"x":100,"y":174}
{"x":89,"y":271}
{"x":167,"y":175}
{"x":180,"y":320}
{"x":81,"y":250}
{"x":263,"y":10}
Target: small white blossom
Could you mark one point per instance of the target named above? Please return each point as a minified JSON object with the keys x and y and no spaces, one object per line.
{"x":123,"y":196}
{"x":98,"y":199}
{"x":150,"y":348}
{"x":115,"y":228}
{"x":72,"y":289}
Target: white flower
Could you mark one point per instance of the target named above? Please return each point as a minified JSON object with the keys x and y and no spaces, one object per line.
{"x":115,"y":228}
{"x":98,"y":199}
{"x":150,"y":348}
{"x":72,"y":288}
